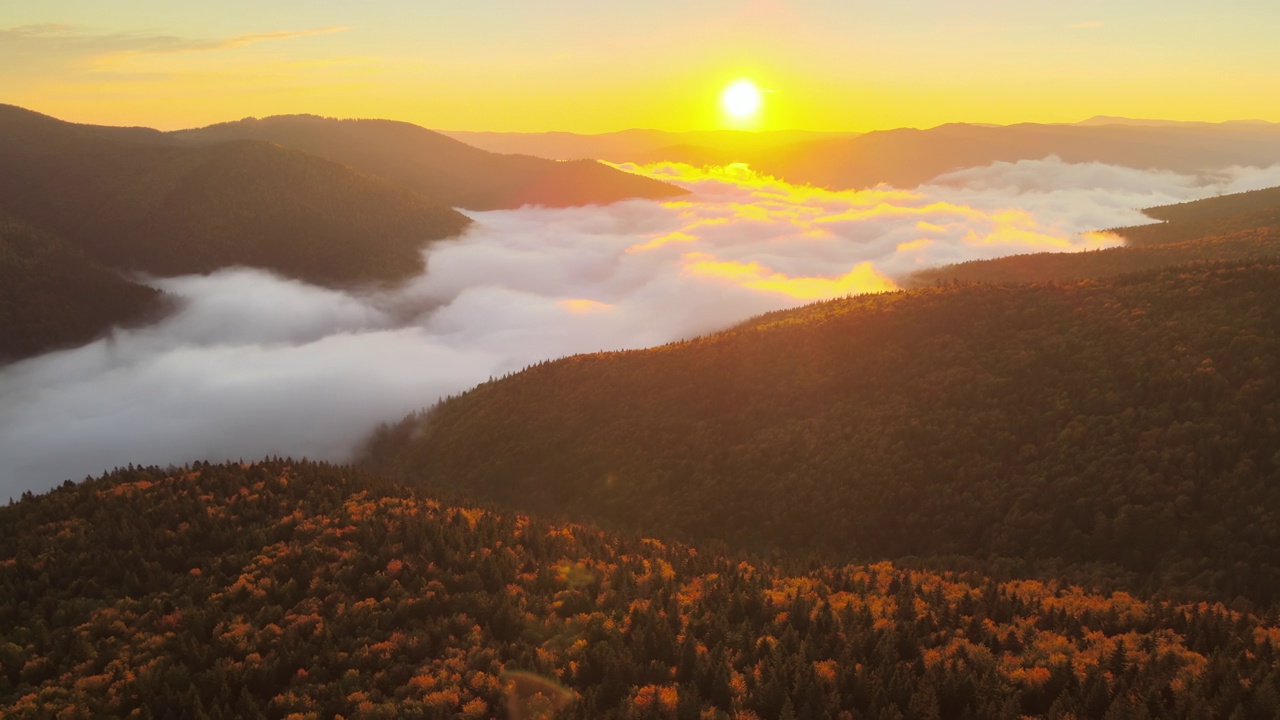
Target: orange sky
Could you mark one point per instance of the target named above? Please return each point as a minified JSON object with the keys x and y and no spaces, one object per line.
{"x":581,"y":66}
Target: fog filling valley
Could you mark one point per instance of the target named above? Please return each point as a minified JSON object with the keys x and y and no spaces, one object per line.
{"x":253,"y":365}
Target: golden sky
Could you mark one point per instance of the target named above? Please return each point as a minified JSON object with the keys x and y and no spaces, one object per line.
{"x":591,"y":66}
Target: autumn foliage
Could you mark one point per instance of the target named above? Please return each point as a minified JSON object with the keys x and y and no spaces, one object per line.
{"x":296,"y":590}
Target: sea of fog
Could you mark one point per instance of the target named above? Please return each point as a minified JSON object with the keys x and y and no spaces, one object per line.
{"x":254,"y":365}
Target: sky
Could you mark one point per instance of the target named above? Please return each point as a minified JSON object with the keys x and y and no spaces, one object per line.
{"x":589,"y":66}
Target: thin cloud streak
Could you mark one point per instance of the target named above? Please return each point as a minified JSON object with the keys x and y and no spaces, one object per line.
{"x":179,"y":45}
{"x":253,"y":364}
{"x":49,"y":42}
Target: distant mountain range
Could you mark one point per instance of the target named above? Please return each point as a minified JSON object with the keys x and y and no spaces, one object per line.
{"x":908,"y":157}
{"x":1117,"y":120}
{"x":338,"y":202}
{"x":642,"y":146}
{"x":440,"y":167}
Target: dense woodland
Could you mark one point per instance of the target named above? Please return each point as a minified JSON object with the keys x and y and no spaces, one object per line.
{"x":1220,"y":207}
{"x":135,"y":204}
{"x":51,"y":296}
{"x":1243,"y":227}
{"x":439,"y":166}
{"x":1118,"y":433}
{"x":1241,"y":246}
{"x":295,"y":590}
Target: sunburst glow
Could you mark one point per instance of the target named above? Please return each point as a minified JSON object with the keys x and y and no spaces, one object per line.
{"x":741,"y":100}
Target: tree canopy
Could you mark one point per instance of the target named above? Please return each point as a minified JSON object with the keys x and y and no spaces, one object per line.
{"x":300,"y":590}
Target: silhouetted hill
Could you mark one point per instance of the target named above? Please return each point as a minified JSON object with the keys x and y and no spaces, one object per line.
{"x":51,"y":296}
{"x":1237,"y":228}
{"x":908,"y":157}
{"x":136,"y":201}
{"x":282,"y":590}
{"x":439,"y":166}
{"x":1115,"y":430}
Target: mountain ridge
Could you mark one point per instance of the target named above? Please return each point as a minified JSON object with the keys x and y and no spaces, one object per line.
{"x":1238,"y":227}
{"x":161,"y":208}
{"x":908,"y":157}
{"x":439,"y":166}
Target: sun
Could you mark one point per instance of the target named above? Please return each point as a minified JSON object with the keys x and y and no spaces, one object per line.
{"x":741,"y":100}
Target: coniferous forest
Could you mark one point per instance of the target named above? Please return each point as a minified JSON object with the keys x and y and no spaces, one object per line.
{"x":52,"y":296}
{"x":291,"y":590}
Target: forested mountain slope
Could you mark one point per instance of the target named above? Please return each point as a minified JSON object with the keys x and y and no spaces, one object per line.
{"x":51,"y":296}
{"x":287,"y":590}
{"x":134,"y":201}
{"x":1249,"y":245}
{"x":1209,"y":217}
{"x":1218,"y":207}
{"x":1122,"y":430}
{"x":440,"y":167}
{"x":1236,"y":228}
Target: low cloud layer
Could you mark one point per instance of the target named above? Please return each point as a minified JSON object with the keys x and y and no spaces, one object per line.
{"x":255,"y":365}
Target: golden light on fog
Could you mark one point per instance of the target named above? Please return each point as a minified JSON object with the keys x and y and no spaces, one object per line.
{"x":864,"y":277}
{"x":741,"y":100}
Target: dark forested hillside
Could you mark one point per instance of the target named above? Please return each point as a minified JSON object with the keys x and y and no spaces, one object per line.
{"x":52,"y":296}
{"x":1236,"y":228}
{"x":1218,"y":207}
{"x":1181,"y":229}
{"x":134,"y":202}
{"x":1249,"y":245}
{"x":283,"y":590}
{"x":1121,"y":431}
{"x":439,"y":166}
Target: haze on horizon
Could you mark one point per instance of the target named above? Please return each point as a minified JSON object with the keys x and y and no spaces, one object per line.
{"x":502,"y":65}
